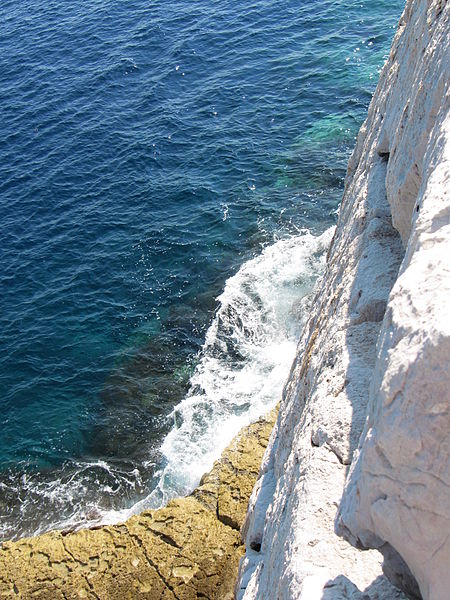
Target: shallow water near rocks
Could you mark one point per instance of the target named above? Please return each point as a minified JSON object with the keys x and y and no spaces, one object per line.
{"x":166,"y":172}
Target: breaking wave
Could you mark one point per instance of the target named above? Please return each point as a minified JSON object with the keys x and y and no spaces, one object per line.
{"x":245,"y":360}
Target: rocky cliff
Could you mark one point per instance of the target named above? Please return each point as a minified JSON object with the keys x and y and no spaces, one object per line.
{"x":373,"y":360}
{"x":360,"y":450}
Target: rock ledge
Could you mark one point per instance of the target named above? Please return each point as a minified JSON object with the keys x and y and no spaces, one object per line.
{"x":187,"y":550}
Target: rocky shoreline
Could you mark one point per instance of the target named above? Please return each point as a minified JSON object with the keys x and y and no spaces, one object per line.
{"x":360,"y":450}
{"x":189,"y":549}
{"x":352,"y":497}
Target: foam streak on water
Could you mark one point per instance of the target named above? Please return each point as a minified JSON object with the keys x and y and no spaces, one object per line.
{"x":245,"y":360}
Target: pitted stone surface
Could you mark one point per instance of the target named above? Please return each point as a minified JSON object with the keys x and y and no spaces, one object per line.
{"x":398,"y":492}
{"x":397,"y":498}
{"x":190,"y":549}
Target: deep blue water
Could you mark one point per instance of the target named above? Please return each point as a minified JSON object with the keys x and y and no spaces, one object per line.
{"x":149,"y":151}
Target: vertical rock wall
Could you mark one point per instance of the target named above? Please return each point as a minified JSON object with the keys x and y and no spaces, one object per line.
{"x":398,"y":492}
{"x":394,"y":197}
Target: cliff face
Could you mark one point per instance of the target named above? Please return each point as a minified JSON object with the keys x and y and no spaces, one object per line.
{"x":373,"y":359}
{"x":398,"y":490}
{"x":361,"y":445}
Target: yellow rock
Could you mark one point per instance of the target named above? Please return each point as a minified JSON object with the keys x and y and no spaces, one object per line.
{"x":189,"y":549}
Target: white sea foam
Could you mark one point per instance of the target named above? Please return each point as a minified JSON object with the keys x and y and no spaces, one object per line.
{"x":244,"y":361}
{"x":242,"y":367}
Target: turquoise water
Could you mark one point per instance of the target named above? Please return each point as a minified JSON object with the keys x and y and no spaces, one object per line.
{"x":165,"y":170}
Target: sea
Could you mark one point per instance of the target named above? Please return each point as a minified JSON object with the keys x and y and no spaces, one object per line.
{"x":170,"y":173}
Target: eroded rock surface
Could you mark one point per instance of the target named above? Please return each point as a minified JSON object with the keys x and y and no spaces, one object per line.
{"x":398,"y":493}
{"x":190,"y":549}
{"x":397,"y":499}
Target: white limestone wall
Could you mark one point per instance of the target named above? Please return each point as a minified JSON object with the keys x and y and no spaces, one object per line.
{"x":398,"y":490}
{"x":400,"y":162}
